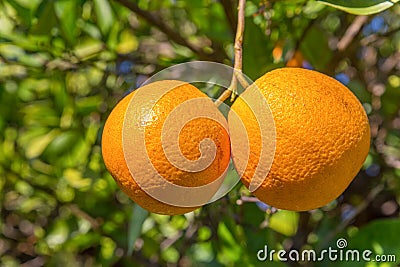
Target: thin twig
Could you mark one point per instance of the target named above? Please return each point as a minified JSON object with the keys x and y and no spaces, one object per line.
{"x":346,"y":47}
{"x":244,"y":199}
{"x":175,"y":36}
{"x":232,"y":89}
{"x":241,"y":79}
{"x":351,"y":32}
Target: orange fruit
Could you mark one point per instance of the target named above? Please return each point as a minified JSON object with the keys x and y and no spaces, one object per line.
{"x":160,"y":118}
{"x":296,"y":61}
{"x":277,"y":52}
{"x":322,"y":138}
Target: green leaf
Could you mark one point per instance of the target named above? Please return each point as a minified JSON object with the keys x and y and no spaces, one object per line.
{"x":62,"y":143}
{"x":230,"y":250}
{"x":88,"y":104}
{"x":284,"y":222}
{"x":75,"y":179}
{"x":66,"y":12}
{"x":380,"y":237}
{"x":138,"y":217}
{"x":23,"y":12}
{"x":82,"y":241}
{"x":360,"y":91}
{"x":128,"y":42}
{"x":360,"y":7}
{"x":391,"y":97}
{"x":256,"y":50}
{"x":250,"y":9}
{"x":36,"y":147}
{"x":88,"y":48}
{"x":46,"y":18}
{"x":104,"y":14}
{"x":40,"y":113}
{"x":315,"y":48}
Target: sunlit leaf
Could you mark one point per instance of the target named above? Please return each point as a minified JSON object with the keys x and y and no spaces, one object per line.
{"x":83,"y":240}
{"x":75,"y":179}
{"x":39,"y":113}
{"x":66,"y":12}
{"x":107,"y":247}
{"x":360,"y":7}
{"x":88,"y":48}
{"x":284,"y":222}
{"x":170,"y":254}
{"x":230,"y":250}
{"x":251,"y":9}
{"x":58,"y":234}
{"x":36,"y":147}
{"x":23,"y":12}
{"x":128,"y":42}
{"x":104,"y":14}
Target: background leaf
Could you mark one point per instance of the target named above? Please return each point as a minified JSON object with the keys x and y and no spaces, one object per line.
{"x":372,"y":237}
{"x":46,"y":16}
{"x":24,"y":13}
{"x":66,"y":12}
{"x":137,"y":218}
{"x":315,"y":49}
{"x":104,"y":15}
{"x":65,"y":64}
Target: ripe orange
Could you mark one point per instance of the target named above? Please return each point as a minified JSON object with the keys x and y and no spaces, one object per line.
{"x":322,"y":138}
{"x":165,"y":104}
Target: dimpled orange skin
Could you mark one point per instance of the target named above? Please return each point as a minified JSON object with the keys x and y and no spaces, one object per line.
{"x":189,"y":138}
{"x":322,"y":138}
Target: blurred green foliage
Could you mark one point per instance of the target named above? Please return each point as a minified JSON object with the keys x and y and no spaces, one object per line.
{"x":63,"y":66}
